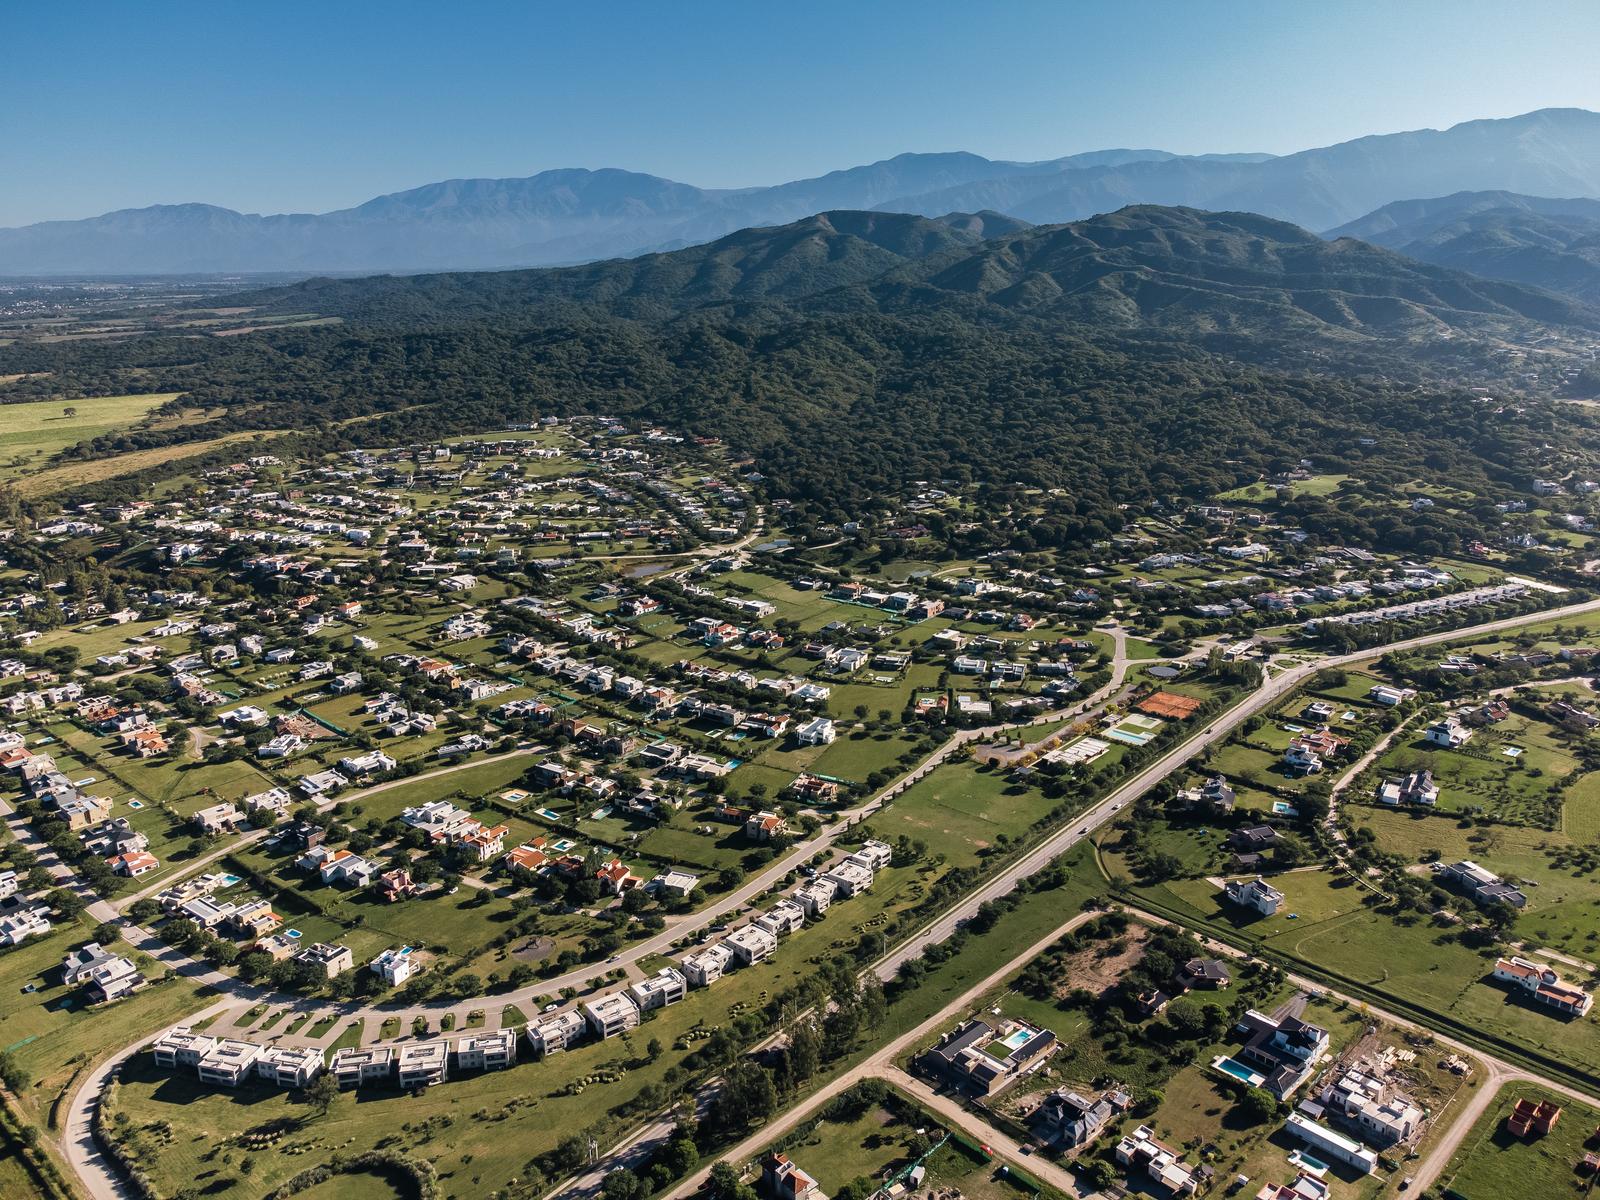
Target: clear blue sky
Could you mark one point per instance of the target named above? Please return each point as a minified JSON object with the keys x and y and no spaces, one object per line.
{"x":295,"y":106}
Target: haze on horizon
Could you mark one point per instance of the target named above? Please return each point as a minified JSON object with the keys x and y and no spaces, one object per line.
{"x":298,"y":109}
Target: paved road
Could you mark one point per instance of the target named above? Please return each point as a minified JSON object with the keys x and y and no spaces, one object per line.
{"x":1497,"y":1072}
{"x":1270,"y":692}
{"x":875,"y":1066}
{"x":956,"y":1114}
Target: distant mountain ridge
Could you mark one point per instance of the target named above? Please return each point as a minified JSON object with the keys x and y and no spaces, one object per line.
{"x":575,"y":215}
{"x":1533,"y":240}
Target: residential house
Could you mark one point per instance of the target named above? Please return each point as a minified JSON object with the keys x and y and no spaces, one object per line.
{"x":557,"y":1032}
{"x":611,"y":1014}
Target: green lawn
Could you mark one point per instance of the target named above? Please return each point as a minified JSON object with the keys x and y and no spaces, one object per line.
{"x":959,"y":810}
{"x":1491,"y":1164}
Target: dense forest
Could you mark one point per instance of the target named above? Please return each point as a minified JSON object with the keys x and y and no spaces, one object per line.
{"x":851,"y":394}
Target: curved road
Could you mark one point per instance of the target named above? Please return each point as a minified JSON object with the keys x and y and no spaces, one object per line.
{"x":93,"y":1172}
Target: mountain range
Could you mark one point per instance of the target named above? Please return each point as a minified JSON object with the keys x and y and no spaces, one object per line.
{"x":575,"y":215}
{"x":1547,"y":243}
{"x":1181,"y":271}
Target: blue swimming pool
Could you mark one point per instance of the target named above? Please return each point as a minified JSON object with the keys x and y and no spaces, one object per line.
{"x":1017,"y":1039}
{"x":229,"y":880}
{"x":1235,"y":1068}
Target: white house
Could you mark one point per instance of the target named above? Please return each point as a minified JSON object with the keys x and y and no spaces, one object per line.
{"x":1255,"y":894}
{"x":611,"y":1014}
{"x":394,"y":966}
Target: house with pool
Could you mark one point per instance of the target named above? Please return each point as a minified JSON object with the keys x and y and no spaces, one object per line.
{"x":982,"y":1057}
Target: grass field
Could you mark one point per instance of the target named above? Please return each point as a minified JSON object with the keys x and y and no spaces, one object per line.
{"x":960,"y":810}
{"x":57,"y":479}
{"x":30,"y":433}
{"x":1491,"y":1164}
{"x":1414,"y":960}
{"x":875,"y":1146}
{"x":1481,"y":777}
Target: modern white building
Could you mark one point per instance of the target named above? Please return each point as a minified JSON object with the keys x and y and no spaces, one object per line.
{"x":1329,"y":1143}
{"x":181,"y":1046}
{"x":423,"y":1064}
{"x":289,"y":1066}
{"x":395,"y":965}
{"x":849,"y":878}
{"x":611,"y":1014}
{"x":487,"y":1050}
{"x":228,"y":1062}
{"x":357,"y":1066}
{"x":666,"y":986}
{"x":751,"y":944}
{"x":818,"y":731}
{"x":816,"y":897}
{"x":330,"y":959}
{"x":705,"y":967}
{"x":1256,"y":894}
{"x":556,"y":1032}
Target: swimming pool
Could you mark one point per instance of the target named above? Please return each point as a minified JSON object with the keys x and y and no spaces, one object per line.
{"x":229,"y":880}
{"x":1131,"y":739}
{"x":1308,"y":1163}
{"x":1235,"y":1068}
{"x":1284,"y":809}
{"x":1017,"y":1039}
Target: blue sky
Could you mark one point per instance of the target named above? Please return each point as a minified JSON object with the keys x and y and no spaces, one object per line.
{"x":311,"y":106}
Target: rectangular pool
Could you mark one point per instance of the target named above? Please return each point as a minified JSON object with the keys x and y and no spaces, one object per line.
{"x":1235,"y":1068}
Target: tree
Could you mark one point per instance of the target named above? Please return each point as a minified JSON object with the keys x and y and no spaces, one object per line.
{"x":1257,"y":1106}
{"x":623,"y":1184}
{"x":11,"y":1072}
{"x":321,"y":1092}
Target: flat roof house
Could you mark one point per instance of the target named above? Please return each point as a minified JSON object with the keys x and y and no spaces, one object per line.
{"x":849,"y":878}
{"x":423,"y":1064}
{"x":181,"y":1046}
{"x":556,"y":1032}
{"x":666,"y":986}
{"x":331,"y":959}
{"x":1256,"y":894}
{"x":751,"y":944}
{"x":705,"y":967}
{"x":486,"y":1050}
{"x":611,"y":1014}
{"x":1330,"y":1143}
{"x":228,"y":1062}
{"x":815,"y":897}
{"x":358,"y":1066}
{"x":394,"y":966}
{"x":289,"y":1066}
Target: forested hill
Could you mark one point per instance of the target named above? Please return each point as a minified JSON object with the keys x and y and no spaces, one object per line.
{"x":774,"y":263}
{"x":1189,"y":271}
{"x":1178,"y":270}
{"x":1545,"y":243}
{"x":852,"y":355}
